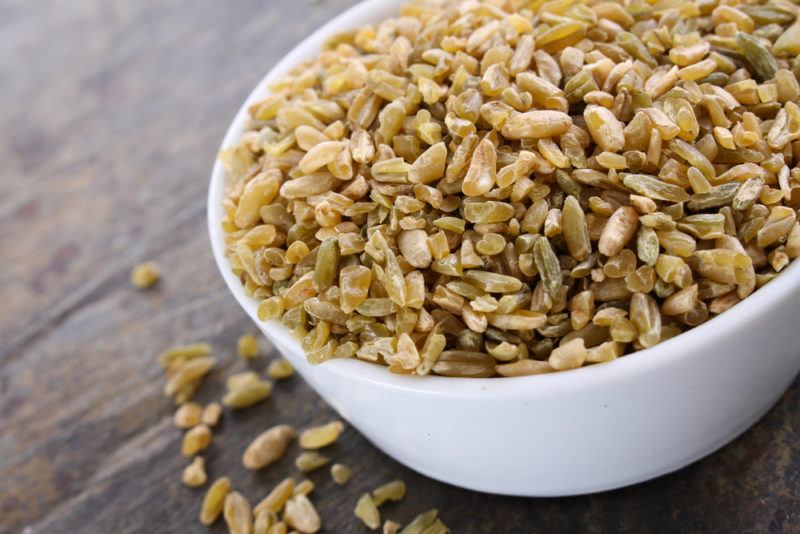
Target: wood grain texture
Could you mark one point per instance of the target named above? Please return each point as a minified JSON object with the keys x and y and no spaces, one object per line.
{"x":110,"y":118}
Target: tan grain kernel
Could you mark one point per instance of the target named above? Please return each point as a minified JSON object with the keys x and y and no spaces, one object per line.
{"x":188,"y":372}
{"x":618,"y":231}
{"x":145,"y":275}
{"x":194,"y":474}
{"x":310,"y":460}
{"x":305,"y":487}
{"x":537,"y":124}
{"x":280,"y":369}
{"x":276,"y":498}
{"x":321,"y":436}
{"x":604,"y":127}
{"x":340,"y":474}
{"x":238,"y":514}
{"x":171,"y":358}
{"x":211,"y":414}
{"x":367,"y":512}
{"x":568,"y":356}
{"x":263,"y":521}
{"x":247,"y":394}
{"x":196,"y":439}
{"x":188,"y":415}
{"x":247,"y":346}
{"x":301,"y":515}
{"x":391,"y":491}
{"x":268,"y":447}
{"x":214,"y":500}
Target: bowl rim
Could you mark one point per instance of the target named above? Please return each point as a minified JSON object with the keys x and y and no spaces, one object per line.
{"x":670,"y":352}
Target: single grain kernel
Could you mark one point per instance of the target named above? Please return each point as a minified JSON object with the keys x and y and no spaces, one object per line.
{"x":187,"y":373}
{"x":300,"y":514}
{"x":268,"y":447}
{"x":310,"y":460}
{"x":280,"y":369}
{"x":303,"y":488}
{"x":188,"y":415}
{"x":391,"y":491}
{"x":340,"y":473}
{"x":194,"y":474}
{"x":145,"y":275}
{"x":276,"y":498}
{"x":568,"y":356}
{"x":247,"y":346}
{"x":214,"y":500}
{"x":248,"y":395}
{"x":263,"y":521}
{"x":237,"y":514}
{"x":321,"y":436}
{"x":195,"y":440}
{"x":211,"y":414}
{"x":367,"y":512}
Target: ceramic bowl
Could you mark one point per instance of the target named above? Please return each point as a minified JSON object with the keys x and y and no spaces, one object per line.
{"x":580,"y":431}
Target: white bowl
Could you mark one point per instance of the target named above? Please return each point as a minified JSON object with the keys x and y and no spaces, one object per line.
{"x":573,"y":432}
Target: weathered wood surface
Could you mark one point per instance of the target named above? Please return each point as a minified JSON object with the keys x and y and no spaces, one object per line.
{"x":110,"y":116}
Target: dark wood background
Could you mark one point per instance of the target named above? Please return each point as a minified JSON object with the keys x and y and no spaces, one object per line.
{"x":110,"y":116}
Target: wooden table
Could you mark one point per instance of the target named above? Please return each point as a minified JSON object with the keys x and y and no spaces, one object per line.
{"x":110,"y":117}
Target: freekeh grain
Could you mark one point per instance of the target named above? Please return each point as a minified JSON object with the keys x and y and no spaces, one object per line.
{"x":145,"y":275}
{"x":411,"y":203}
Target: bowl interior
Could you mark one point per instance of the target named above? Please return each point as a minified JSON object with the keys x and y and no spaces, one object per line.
{"x":669,"y":352}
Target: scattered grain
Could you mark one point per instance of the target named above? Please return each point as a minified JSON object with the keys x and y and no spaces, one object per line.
{"x":214,"y":500}
{"x":280,"y":369}
{"x":247,"y":346}
{"x":188,"y":415}
{"x":321,"y":436}
{"x":145,"y":275}
{"x":211,"y":414}
{"x":340,"y":473}
{"x":238,"y":514}
{"x":391,"y":491}
{"x":310,"y":461}
{"x":194,"y":474}
{"x":196,"y":439}
{"x":268,"y":447}
{"x":301,"y":515}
